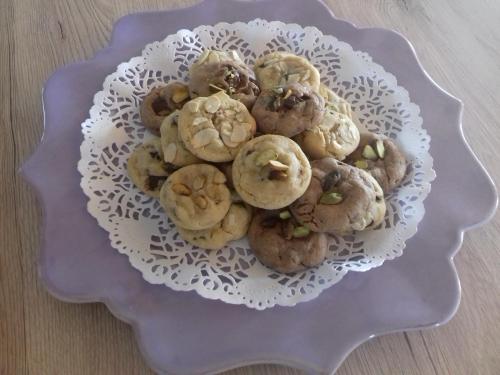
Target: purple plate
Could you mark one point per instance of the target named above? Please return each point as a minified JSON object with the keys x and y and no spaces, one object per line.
{"x":182,"y":333}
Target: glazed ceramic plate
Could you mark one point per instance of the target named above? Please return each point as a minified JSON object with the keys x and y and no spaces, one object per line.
{"x":182,"y":333}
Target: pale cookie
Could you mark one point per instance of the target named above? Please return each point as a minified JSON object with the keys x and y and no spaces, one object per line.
{"x":336,"y":136}
{"x":382,"y":158}
{"x":340,"y":199}
{"x":271,"y":171}
{"x":335,"y":102}
{"x":146,"y":168}
{"x":214,"y":128}
{"x":233,"y":227}
{"x":283,"y":244}
{"x":173,"y":148}
{"x":288,"y":110}
{"x":281,"y":68}
{"x":196,"y":196}
{"x":160,"y":102}
{"x":218,"y":71}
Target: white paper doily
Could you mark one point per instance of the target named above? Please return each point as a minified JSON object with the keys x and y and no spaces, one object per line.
{"x":137,"y":225}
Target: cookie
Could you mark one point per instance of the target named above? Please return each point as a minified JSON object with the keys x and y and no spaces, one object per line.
{"x":281,"y":68}
{"x":218,"y":71}
{"x":196,"y":196}
{"x":271,"y":171}
{"x":232,"y":227}
{"x":283,"y":244}
{"x":288,"y":110}
{"x":214,"y":128}
{"x":174,"y":151}
{"x":146,"y":168}
{"x":336,"y":136}
{"x":160,"y":102}
{"x":335,"y":102}
{"x":340,"y":199}
{"x":382,"y":158}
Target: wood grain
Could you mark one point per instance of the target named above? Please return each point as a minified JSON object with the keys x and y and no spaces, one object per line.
{"x":458,"y":42}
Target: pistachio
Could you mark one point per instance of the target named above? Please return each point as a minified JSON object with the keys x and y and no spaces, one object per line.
{"x":204,"y":137}
{"x":180,"y":94}
{"x":277,"y":175}
{"x":199,"y":182}
{"x":331,"y":198}
{"x":200,"y":201}
{"x":369,"y":153}
{"x":379,"y":145}
{"x":181,"y":189}
{"x":170,"y":152}
{"x":212,"y":104}
{"x":284,"y":215}
{"x":263,"y":158}
{"x":299,"y":232}
{"x":361,"y":164}
{"x":277,"y":166}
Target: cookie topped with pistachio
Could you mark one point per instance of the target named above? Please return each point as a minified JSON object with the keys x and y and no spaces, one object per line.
{"x":381,"y":157}
{"x":196,"y":197}
{"x":161,"y":102}
{"x":282,"y":68}
{"x":283,"y":244}
{"x":214,"y":128}
{"x":288,"y":110}
{"x":216,"y":71}
{"x":147,"y":169}
{"x":340,"y":199}
{"x":271,"y":171}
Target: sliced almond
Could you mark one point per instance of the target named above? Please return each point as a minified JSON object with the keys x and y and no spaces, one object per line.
{"x":180,"y":94}
{"x":181,"y":189}
{"x":170,"y":152}
{"x":199,"y":182}
{"x":212,"y":104}
{"x":277,"y":165}
{"x":200,"y":201}
{"x":199,"y":120}
{"x":193,"y":106}
{"x":204,"y":137}
{"x":239,"y":133}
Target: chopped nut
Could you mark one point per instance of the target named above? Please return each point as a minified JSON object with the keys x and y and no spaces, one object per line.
{"x":301,"y":231}
{"x":277,"y":166}
{"x":284,"y":215}
{"x":181,"y":189}
{"x":212,"y":104}
{"x":263,"y":158}
{"x":361,"y":164}
{"x":369,"y":153}
{"x":331,"y":198}
{"x":204,"y":137}
{"x":288,"y":93}
{"x":199,"y":182}
{"x":170,"y":152}
{"x":180,"y":94}
{"x":200,"y":201}
{"x":380,"y":148}
{"x":193,"y":106}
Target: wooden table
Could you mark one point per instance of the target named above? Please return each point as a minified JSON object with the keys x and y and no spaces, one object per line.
{"x":458,"y":43}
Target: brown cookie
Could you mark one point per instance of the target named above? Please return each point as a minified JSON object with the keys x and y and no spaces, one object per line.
{"x":340,"y":199}
{"x":288,"y":110}
{"x":284,"y":245}
{"x":161,"y":102}
{"x":382,"y":158}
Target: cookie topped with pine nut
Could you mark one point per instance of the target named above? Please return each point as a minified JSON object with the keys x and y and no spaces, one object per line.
{"x":196,"y":197}
{"x":271,"y":171}
{"x":215,"y":127}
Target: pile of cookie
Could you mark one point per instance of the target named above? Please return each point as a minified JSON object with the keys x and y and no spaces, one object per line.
{"x":271,"y":153}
